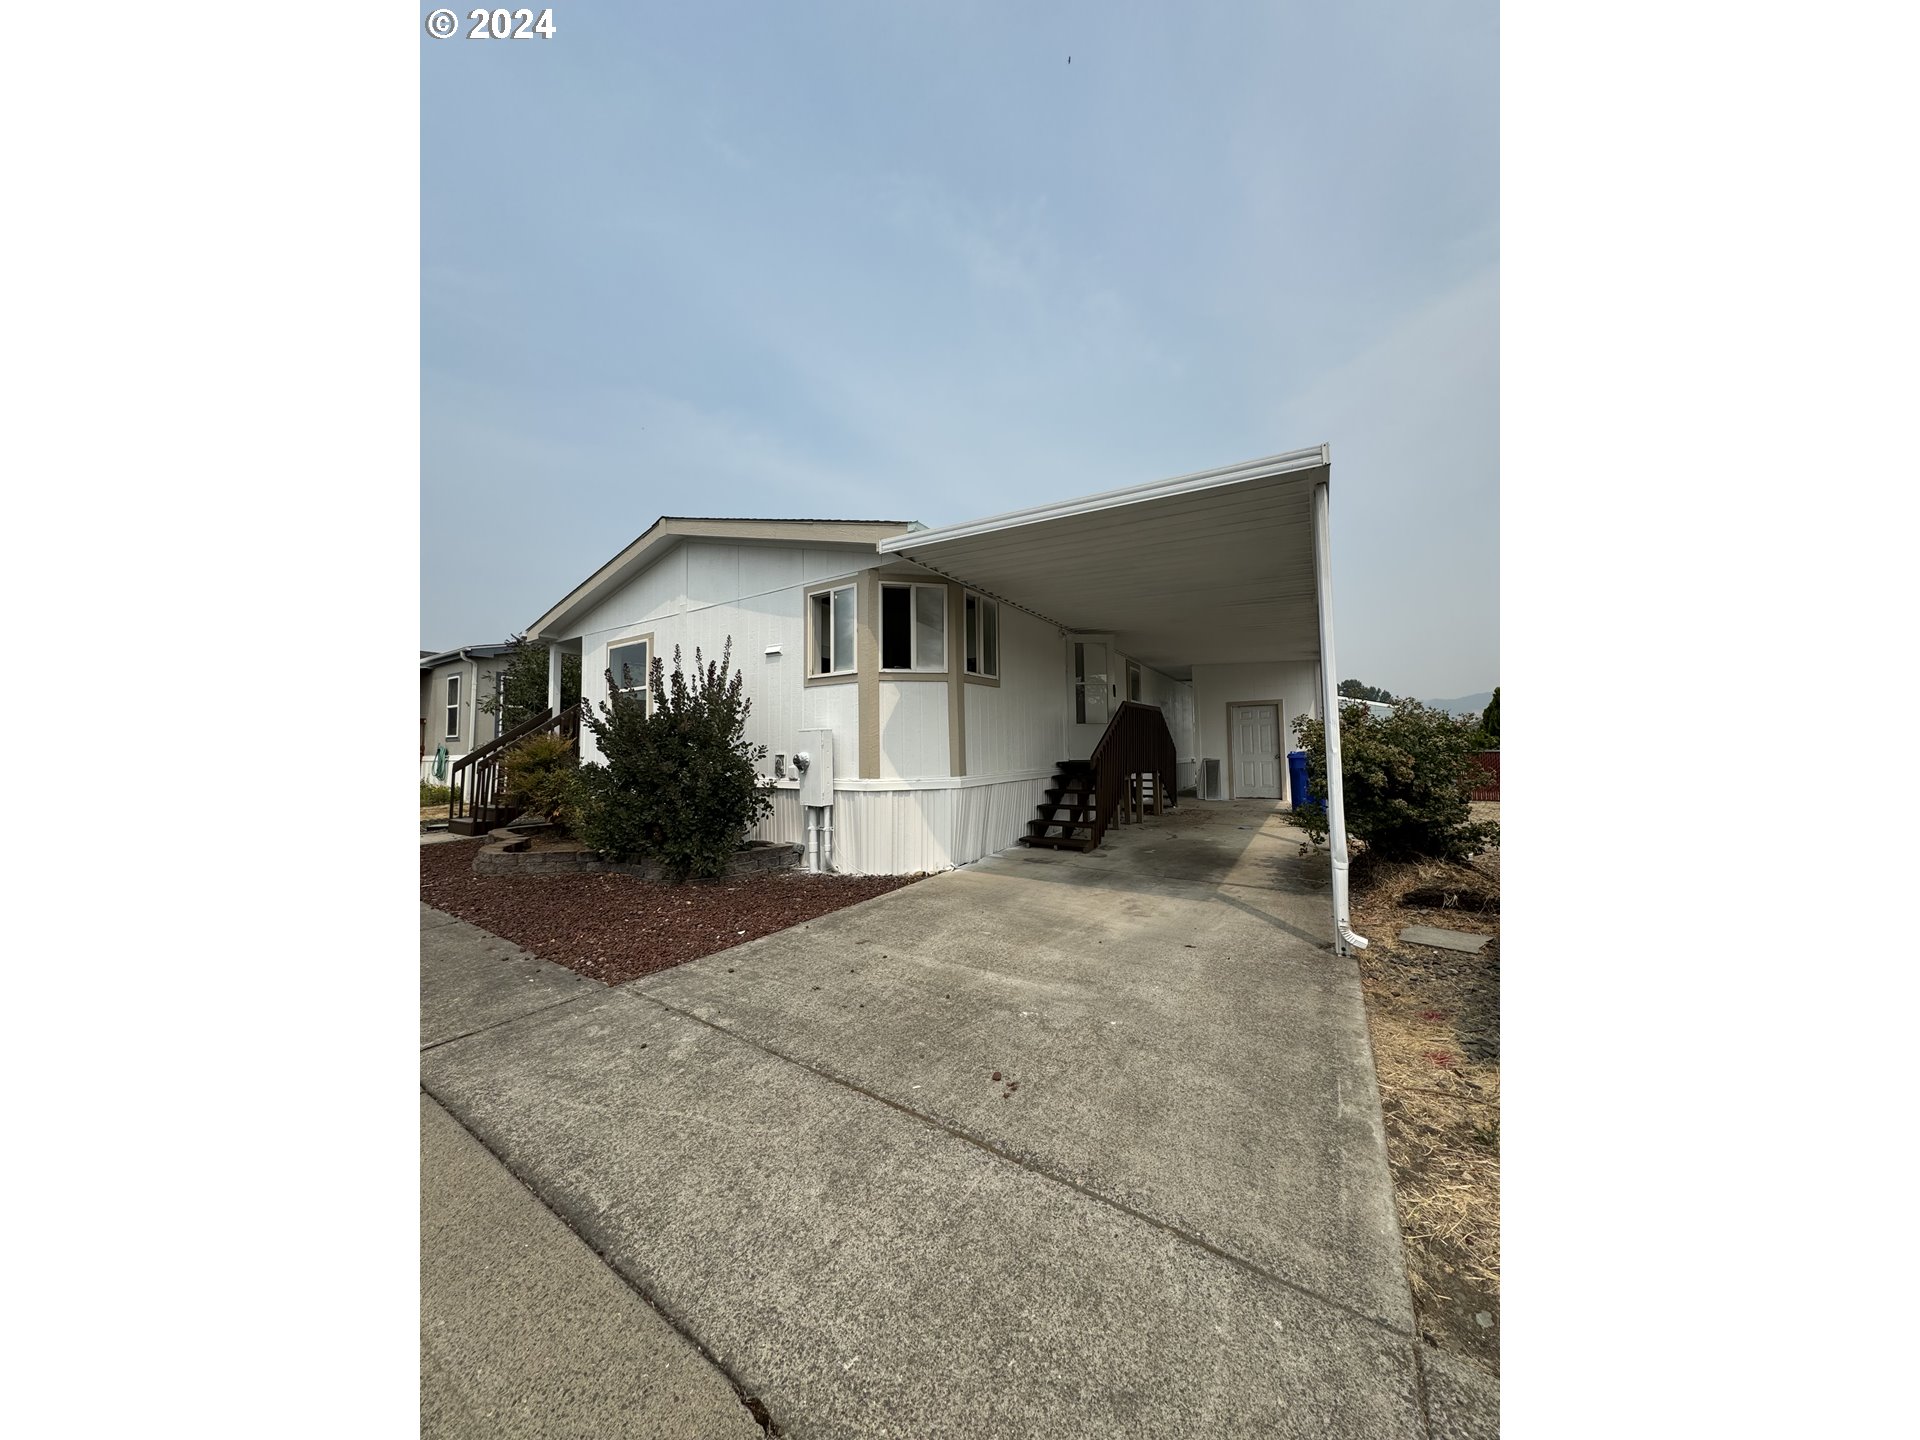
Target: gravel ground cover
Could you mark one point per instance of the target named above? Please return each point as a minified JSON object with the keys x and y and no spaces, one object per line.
{"x":616,"y":928}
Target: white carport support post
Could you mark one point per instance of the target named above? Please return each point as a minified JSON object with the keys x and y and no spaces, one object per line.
{"x":553,"y":677}
{"x":1345,"y":942}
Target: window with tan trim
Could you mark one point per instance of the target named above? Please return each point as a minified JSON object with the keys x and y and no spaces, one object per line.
{"x":913,"y":627}
{"x":982,"y":637}
{"x":830,"y":626}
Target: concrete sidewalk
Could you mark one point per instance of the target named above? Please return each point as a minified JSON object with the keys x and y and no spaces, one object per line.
{"x":1180,"y":1223}
{"x":525,"y":1332}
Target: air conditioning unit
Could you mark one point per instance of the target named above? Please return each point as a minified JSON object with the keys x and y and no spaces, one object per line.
{"x":1210,"y":786}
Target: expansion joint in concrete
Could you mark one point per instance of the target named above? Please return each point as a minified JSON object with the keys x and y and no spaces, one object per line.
{"x":752,"y":1403}
{"x":1019,"y":1162}
{"x":509,"y":1020}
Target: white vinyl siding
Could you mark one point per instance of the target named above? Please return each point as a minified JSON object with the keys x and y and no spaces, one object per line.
{"x":1020,"y":723}
{"x":702,"y":594}
{"x":913,"y":731}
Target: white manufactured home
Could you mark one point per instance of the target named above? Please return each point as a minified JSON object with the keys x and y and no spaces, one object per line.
{"x":958,"y":690}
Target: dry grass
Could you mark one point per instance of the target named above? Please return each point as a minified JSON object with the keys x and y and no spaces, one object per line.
{"x":1434,"y":1017}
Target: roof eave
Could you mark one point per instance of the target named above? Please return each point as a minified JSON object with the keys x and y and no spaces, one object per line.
{"x":1269,"y":466}
{"x":669,"y":528}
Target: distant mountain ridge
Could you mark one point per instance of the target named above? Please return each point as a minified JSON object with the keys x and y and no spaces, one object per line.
{"x":1463,"y":704}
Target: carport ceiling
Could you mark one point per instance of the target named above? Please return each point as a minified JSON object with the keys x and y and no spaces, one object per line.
{"x":1212,"y":568}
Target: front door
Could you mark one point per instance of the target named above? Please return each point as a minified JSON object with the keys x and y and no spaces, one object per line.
{"x":1256,"y":752}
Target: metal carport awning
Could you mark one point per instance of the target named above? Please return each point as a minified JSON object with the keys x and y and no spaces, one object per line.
{"x":1224,"y":566}
{"x":1213,"y":568}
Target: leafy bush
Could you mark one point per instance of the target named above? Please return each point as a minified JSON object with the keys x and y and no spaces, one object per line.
{"x":678,"y":785}
{"x":1407,"y":780}
{"x":539,"y":778}
{"x":524,"y":695}
{"x":432,"y":794}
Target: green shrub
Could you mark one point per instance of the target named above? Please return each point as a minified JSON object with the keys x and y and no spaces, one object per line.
{"x":539,"y":775}
{"x":432,"y":794}
{"x":1490,"y":723}
{"x":678,"y":785}
{"x":1407,"y":781}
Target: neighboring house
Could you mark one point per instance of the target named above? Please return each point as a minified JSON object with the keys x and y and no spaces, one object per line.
{"x":452,"y":685}
{"x":955,"y":668}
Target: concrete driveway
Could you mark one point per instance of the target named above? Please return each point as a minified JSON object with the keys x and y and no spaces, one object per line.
{"x":1170,"y":1215}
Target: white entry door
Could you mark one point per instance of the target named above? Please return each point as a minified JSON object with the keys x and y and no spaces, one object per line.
{"x":1256,"y":752}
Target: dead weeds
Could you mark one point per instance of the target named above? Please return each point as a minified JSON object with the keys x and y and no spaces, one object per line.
{"x":1435,"y":1021}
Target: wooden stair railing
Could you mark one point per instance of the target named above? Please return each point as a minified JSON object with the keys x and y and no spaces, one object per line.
{"x":1134,"y":765}
{"x":479,"y":777}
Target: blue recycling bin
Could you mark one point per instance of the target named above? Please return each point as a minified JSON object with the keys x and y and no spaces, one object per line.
{"x":1297,"y":784}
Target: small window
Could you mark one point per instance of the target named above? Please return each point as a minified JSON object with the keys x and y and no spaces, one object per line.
{"x":830,"y":615}
{"x":913,"y":627}
{"x":453,"y":707}
{"x":628,"y":662}
{"x":983,"y":637}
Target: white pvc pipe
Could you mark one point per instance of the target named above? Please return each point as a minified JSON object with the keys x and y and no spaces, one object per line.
{"x":1345,"y":942}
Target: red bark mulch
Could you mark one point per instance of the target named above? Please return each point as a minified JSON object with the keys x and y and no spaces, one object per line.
{"x":615,"y":928}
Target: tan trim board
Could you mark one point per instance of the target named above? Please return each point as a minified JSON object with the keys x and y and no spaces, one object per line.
{"x":867,"y":651}
{"x":956,"y":671}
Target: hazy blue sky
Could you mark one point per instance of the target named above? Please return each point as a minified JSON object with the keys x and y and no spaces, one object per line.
{"x":793,"y":258}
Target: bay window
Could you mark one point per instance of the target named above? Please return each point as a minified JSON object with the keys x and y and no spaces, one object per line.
{"x":982,"y":637}
{"x":913,"y":627}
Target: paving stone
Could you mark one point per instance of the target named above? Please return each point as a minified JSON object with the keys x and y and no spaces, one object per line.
{"x":1461,"y":940}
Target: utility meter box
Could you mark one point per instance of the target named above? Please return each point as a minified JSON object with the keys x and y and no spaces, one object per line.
{"x":816,"y":781}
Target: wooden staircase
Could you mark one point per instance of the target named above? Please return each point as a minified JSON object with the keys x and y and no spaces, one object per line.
{"x":1131,"y":772}
{"x":1067,"y":814}
{"x":478,"y":779}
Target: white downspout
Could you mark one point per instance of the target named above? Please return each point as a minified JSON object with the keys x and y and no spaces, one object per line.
{"x":1345,"y":942}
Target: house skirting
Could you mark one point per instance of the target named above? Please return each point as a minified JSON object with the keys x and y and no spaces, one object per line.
{"x":426,"y":767}
{"x":909,"y":827}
